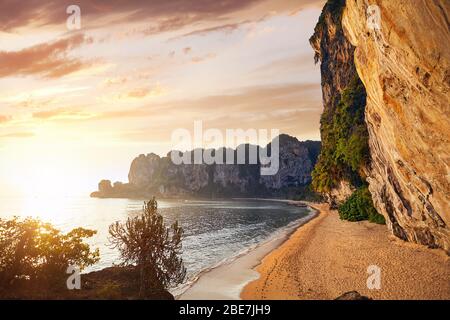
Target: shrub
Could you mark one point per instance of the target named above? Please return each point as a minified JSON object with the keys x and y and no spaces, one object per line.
{"x":154,"y":250}
{"x":359,"y":206}
{"x":33,"y":253}
{"x":110,"y":291}
{"x":345,"y":149}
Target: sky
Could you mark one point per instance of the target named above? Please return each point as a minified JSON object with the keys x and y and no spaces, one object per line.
{"x":77,"y":105}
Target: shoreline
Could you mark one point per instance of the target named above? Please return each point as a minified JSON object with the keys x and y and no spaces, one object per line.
{"x":232,"y":276}
{"x":328,"y":257}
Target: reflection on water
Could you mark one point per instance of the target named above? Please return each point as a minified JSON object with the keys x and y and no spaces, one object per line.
{"x":214,"y":230}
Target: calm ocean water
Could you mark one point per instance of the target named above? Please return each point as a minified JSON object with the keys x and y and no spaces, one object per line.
{"x":215,"y":231}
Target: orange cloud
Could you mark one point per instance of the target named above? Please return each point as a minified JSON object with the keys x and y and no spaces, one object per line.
{"x":165,"y":15}
{"x":116,"y":81}
{"x":252,"y":100}
{"x":144,"y":92}
{"x":139,"y":93}
{"x":49,"y":60}
{"x":4,"y":119}
{"x":61,"y":114}
{"x":227,"y":28}
{"x":203,"y":58}
{"x":187,"y":50}
{"x":17,"y":135}
{"x":169,"y":15}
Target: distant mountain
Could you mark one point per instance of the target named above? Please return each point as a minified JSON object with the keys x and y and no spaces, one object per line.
{"x":152,"y":175}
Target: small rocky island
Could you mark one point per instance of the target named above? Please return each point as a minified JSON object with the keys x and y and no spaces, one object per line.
{"x":152,"y":175}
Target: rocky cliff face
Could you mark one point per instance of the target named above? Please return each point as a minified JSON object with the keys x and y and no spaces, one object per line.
{"x":334,"y":176}
{"x":405,"y":68}
{"x":404,"y":64}
{"x":297,"y":159}
{"x":153,"y":175}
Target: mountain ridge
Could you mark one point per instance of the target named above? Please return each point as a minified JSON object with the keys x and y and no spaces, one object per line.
{"x":152,"y":175}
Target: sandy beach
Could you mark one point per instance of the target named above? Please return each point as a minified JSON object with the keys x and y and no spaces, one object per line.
{"x":328,"y":257}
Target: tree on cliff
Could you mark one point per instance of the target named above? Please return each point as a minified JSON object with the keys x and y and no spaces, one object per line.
{"x":153,"y":250}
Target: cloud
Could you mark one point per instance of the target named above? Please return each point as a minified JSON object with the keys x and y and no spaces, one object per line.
{"x":203,"y":58}
{"x":115,"y":81}
{"x":168,"y":24}
{"x":187,"y":50}
{"x":292,"y":108}
{"x":61,"y":114}
{"x":257,"y":99}
{"x":48,"y":60}
{"x":294,"y":63}
{"x":244,"y":102}
{"x":165,"y":15}
{"x":4,"y":119}
{"x":226,"y":28}
{"x":139,"y":93}
{"x":144,"y":92}
{"x":169,"y":15}
{"x":17,"y":135}
{"x":30,"y":103}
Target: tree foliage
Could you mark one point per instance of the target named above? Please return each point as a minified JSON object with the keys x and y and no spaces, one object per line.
{"x":359,"y":206}
{"x":36,"y":253}
{"x":345,"y":149}
{"x":145,"y":243}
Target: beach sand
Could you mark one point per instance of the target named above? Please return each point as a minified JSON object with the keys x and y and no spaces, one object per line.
{"x":327,"y":257}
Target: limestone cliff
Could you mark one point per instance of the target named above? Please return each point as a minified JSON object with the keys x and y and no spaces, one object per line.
{"x":154,"y":175}
{"x":405,"y":68}
{"x":404,"y":64}
{"x":341,"y":167}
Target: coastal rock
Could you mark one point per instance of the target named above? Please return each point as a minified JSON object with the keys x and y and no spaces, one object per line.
{"x":143,"y":169}
{"x":114,"y":283}
{"x":105,"y":186}
{"x":151,"y":175}
{"x":352,"y":295}
{"x":336,"y":56}
{"x":339,"y":194}
{"x":296,"y":164}
{"x":404,"y":66}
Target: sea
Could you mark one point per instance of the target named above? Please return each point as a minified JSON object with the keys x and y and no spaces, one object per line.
{"x":215,"y":232}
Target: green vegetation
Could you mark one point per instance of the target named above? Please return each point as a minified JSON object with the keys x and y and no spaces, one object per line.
{"x":150,"y":249}
{"x":345,"y":149}
{"x":360,"y":207}
{"x":345,"y":153}
{"x":35,"y":256}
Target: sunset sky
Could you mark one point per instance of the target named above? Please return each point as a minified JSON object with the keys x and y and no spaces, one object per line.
{"x":77,"y":106}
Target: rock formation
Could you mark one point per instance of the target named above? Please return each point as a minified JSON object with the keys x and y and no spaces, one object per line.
{"x":151,"y":175}
{"x":352,"y":295}
{"x":404,"y":64}
{"x":336,"y":56}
